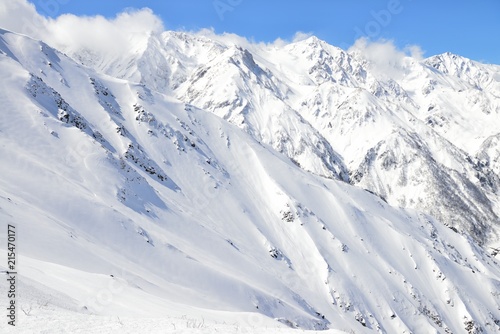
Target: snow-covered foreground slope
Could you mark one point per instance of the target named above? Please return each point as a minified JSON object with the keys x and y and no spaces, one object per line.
{"x":132,"y":203}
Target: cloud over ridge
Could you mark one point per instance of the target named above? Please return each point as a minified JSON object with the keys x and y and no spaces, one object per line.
{"x":70,"y":32}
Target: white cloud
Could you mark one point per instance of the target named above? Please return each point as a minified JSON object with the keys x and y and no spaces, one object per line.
{"x":300,"y":36}
{"x":225,"y":38}
{"x":21,"y":16}
{"x":127,"y":31}
{"x":123,"y":33}
{"x":233,"y":39}
{"x":386,"y":59}
{"x":415,"y":51}
{"x":297,"y":37}
{"x":229,"y":38}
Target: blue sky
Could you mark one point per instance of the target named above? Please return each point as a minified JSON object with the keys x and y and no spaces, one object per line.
{"x":466,"y":27}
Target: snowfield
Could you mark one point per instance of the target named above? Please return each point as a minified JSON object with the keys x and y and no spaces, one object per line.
{"x":203,"y":184}
{"x":44,"y":310}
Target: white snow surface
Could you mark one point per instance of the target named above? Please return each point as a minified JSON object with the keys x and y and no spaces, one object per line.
{"x":198,"y":186}
{"x":340,"y":114}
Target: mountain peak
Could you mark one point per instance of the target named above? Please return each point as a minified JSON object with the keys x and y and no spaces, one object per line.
{"x":449,"y":57}
{"x":312,"y":40}
{"x":474,"y":73}
{"x":313,"y":43}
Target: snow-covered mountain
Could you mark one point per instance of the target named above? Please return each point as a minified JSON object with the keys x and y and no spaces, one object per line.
{"x":236,"y":182}
{"x":332,"y":111}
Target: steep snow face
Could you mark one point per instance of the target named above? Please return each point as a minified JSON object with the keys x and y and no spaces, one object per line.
{"x":378,"y":112}
{"x":160,"y":61}
{"x":489,"y":153}
{"x":129,"y":201}
{"x":237,"y":89}
{"x":324,"y":63}
{"x":326,"y":109}
{"x":458,"y":98}
{"x":474,"y":73}
{"x":422,"y":181}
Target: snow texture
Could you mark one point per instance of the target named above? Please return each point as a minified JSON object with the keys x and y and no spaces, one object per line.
{"x":194,"y":185}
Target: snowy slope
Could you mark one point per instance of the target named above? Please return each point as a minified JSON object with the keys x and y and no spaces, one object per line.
{"x":328,"y":110}
{"x":140,"y":197}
